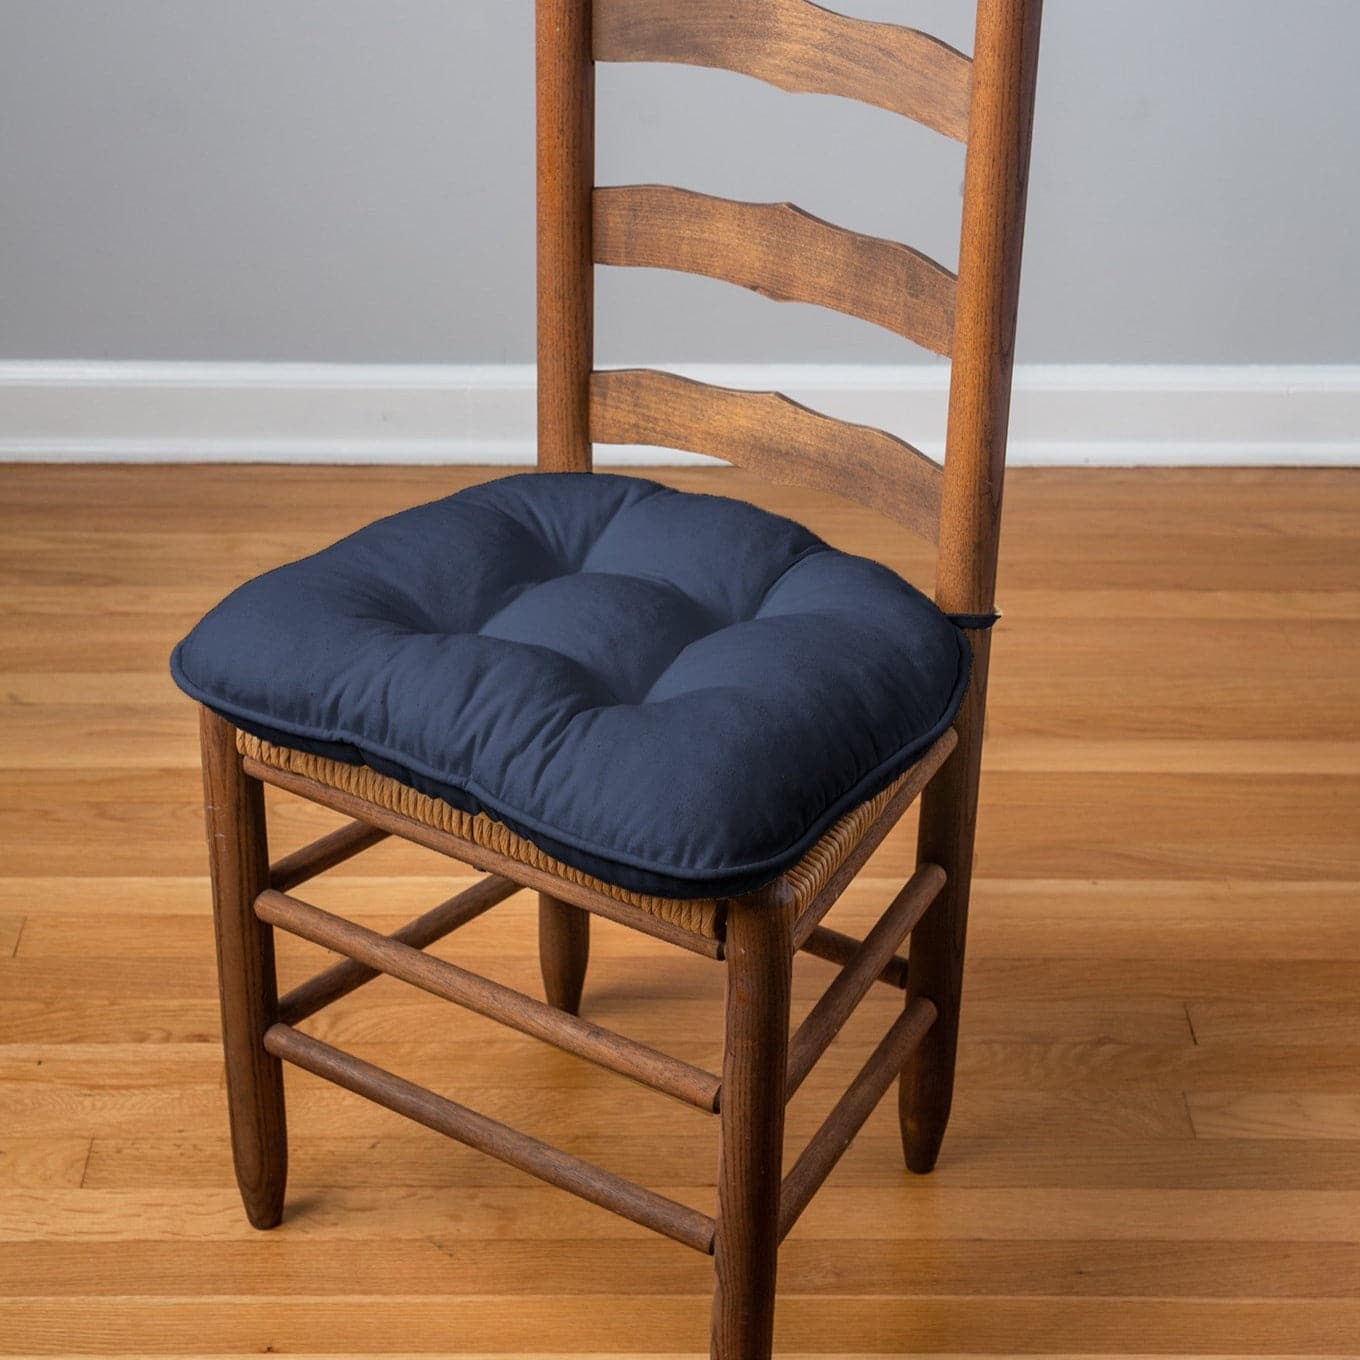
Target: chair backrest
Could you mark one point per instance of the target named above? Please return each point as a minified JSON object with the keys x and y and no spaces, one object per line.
{"x":986,"y":101}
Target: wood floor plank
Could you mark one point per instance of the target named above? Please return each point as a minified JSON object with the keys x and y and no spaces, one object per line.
{"x":669,"y":1355}
{"x":472,"y":1054}
{"x":1256,"y":1113}
{"x":491,"y":1265}
{"x":1251,"y":1017}
{"x":1091,"y":981}
{"x":785,"y":1354}
{"x":904,"y":1210}
{"x":630,"y":1322}
{"x":402,"y":1157}
{"x":53,"y":1162}
{"x":553,"y":1108}
{"x":382,"y":1015}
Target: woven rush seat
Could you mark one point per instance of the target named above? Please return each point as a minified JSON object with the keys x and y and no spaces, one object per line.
{"x":670,"y":698}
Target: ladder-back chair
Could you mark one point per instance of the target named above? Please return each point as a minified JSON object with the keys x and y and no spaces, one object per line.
{"x":754,"y":920}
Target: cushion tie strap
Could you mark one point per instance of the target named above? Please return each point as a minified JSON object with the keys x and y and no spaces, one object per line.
{"x":976,"y":623}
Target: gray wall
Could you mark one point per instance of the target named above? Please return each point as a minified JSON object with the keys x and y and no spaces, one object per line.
{"x":353,"y":180}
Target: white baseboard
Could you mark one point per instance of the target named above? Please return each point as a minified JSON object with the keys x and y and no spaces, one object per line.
{"x":1136,"y":415}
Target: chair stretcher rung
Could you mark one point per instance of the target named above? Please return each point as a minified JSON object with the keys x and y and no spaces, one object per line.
{"x":492,"y":999}
{"x":323,"y":854}
{"x":348,"y":975}
{"x":849,"y":986}
{"x":456,"y":1121}
{"x":836,"y":947}
{"x":854,"y":1107}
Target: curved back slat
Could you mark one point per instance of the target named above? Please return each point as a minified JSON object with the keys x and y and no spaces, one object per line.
{"x":797,"y":46}
{"x":771,"y":435}
{"x":986,"y":101}
{"x":780,"y":251}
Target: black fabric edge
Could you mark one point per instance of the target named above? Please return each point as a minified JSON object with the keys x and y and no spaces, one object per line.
{"x":975,"y":623}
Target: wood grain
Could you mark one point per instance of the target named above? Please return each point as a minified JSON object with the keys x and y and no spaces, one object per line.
{"x":563,"y":951}
{"x":751,"y":1138}
{"x":513,"y":1269}
{"x":1276,"y":1114}
{"x":566,"y":287}
{"x":233,"y":808}
{"x":43,"y":1162}
{"x":771,"y":435}
{"x":1005,"y":66}
{"x":639,"y":1326}
{"x":797,"y":46}
{"x":781,"y":252}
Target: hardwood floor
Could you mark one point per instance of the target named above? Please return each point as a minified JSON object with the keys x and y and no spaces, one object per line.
{"x":1156,"y":1144}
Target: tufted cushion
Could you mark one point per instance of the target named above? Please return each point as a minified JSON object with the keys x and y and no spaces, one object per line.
{"x":675,"y":693}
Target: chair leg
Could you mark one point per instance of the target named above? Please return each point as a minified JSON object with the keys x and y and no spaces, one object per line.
{"x":948,"y":821}
{"x":239,"y":862}
{"x":563,"y":951}
{"x":759,"y":971}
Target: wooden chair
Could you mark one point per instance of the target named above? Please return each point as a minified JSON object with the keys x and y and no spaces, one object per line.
{"x":986,"y":101}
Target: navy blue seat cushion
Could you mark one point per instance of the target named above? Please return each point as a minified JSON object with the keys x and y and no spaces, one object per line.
{"x":678,"y":694}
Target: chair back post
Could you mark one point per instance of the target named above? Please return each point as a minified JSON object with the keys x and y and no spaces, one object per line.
{"x":1005,"y":64}
{"x":566,"y":180}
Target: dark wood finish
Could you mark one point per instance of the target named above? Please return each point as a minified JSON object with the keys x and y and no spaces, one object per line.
{"x":1005,"y":66}
{"x":799,"y":47}
{"x":456,"y":1121}
{"x":349,"y":975}
{"x":598,"y":903}
{"x":781,"y":252}
{"x":921,"y":775}
{"x":846,"y":1119}
{"x":324,"y":854}
{"x":848,"y":989}
{"x":836,"y":947}
{"x":566,"y":176}
{"x":566,"y":345}
{"x":563,"y":951}
{"x":238,"y":860}
{"x":772,"y":435}
{"x":755,"y":1052}
{"x":514,"y":1009}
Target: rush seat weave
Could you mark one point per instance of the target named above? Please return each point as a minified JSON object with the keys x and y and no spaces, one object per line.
{"x":680,"y":697}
